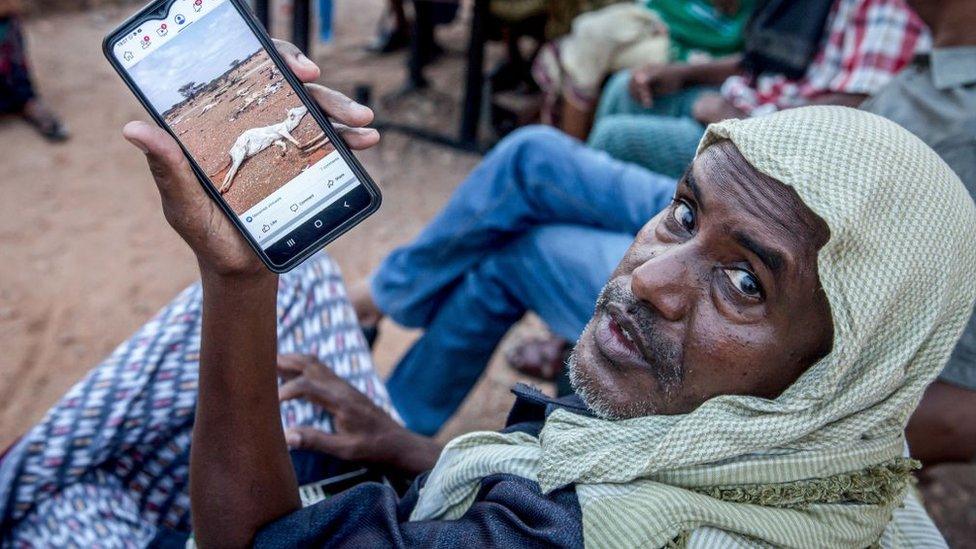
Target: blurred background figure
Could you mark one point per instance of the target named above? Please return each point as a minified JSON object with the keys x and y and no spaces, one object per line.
{"x":394,"y":32}
{"x":17,"y":94}
{"x":571,"y":70}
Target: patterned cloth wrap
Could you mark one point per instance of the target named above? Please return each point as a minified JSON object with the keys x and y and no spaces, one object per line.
{"x":821,"y":465}
{"x":108,"y":465}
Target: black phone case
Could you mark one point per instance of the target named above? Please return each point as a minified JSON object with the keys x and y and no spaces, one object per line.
{"x":160,"y":8}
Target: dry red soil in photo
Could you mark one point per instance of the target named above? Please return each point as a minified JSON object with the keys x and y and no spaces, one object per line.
{"x":253,"y":95}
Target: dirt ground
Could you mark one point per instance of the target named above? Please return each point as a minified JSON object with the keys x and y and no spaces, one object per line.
{"x":87,"y":256}
{"x":253,"y":95}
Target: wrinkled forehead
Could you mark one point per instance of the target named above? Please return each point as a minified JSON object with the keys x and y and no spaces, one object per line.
{"x":749,"y":197}
{"x":896,"y":214}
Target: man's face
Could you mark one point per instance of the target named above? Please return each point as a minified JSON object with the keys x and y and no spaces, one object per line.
{"x":718,"y":294}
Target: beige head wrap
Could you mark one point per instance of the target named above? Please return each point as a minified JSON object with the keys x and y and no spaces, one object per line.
{"x":818,"y":466}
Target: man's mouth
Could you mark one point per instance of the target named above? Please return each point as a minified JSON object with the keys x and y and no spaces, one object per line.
{"x":619,"y":340}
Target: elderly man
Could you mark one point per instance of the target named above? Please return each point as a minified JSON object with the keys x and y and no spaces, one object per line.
{"x":745,"y":379}
{"x":541,"y":224}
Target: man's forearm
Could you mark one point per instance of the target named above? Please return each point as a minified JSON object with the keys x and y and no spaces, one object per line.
{"x":712,"y":73}
{"x":411,"y":453}
{"x":240,"y":474}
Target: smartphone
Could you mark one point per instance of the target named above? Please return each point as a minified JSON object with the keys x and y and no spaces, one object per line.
{"x":209,"y":74}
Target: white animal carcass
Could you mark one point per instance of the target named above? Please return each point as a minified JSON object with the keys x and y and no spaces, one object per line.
{"x":256,"y":140}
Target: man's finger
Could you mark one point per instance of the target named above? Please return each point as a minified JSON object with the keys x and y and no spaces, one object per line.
{"x":297,"y":387}
{"x":309,"y":438}
{"x":358,"y":139}
{"x":340,"y":107}
{"x":301,"y":388}
{"x":290,"y":366}
{"x":646,"y":97}
{"x":304,"y":68}
{"x":169,"y":166}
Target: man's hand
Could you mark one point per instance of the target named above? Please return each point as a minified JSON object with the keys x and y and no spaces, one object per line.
{"x":728,"y":7}
{"x":656,"y":79}
{"x":712,"y":107}
{"x":218,"y":245}
{"x":363,"y":432}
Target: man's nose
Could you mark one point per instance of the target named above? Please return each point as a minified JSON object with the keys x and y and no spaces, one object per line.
{"x":664,"y":283}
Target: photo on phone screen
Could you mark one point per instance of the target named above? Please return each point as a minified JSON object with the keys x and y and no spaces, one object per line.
{"x":207,"y":75}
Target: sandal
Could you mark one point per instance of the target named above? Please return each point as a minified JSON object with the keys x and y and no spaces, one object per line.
{"x":45,"y":122}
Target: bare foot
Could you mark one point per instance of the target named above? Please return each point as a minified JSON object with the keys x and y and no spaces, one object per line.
{"x":362,"y":302}
{"x":37,"y":113}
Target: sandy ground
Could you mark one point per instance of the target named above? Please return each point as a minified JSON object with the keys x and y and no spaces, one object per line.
{"x":87,"y":256}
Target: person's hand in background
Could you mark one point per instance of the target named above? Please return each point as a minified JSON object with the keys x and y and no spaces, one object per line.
{"x":218,"y":245}
{"x":363,"y":432}
{"x":728,"y":7}
{"x":712,"y":107}
{"x":654,"y":80}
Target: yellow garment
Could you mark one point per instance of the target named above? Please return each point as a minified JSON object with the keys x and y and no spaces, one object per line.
{"x":899,"y":272}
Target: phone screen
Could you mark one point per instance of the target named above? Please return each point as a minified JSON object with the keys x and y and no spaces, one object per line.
{"x":206,"y":74}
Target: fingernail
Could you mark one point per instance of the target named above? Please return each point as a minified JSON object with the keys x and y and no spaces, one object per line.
{"x":138,"y":145}
{"x":305,"y":60}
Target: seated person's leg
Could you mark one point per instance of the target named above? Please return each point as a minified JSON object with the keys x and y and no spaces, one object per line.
{"x":663,"y":144}
{"x":943,"y":427}
{"x":535,"y":176}
{"x":121,"y":436}
{"x":555,"y":270}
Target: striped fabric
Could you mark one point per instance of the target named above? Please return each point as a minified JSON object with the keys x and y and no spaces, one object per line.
{"x":820,"y":465}
{"x":108,"y":465}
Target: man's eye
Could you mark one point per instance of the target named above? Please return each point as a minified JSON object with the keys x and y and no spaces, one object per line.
{"x":745,"y":282}
{"x":683,"y":214}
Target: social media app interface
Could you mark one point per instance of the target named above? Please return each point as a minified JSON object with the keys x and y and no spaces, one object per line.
{"x":203,"y":70}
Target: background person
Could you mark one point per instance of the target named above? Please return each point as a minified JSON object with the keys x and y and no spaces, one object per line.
{"x":17,"y":93}
{"x":654,"y":116}
{"x":572,"y":69}
{"x":394,"y":29}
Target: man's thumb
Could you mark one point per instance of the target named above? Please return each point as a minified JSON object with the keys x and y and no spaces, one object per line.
{"x":166,"y":160}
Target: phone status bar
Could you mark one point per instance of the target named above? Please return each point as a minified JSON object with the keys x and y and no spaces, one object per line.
{"x":152,"y":35}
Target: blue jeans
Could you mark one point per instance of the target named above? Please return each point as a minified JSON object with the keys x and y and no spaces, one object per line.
{"x":539,"y":226}
{"x":662,"y":137}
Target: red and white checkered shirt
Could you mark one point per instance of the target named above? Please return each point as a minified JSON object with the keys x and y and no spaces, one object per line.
{"x":867,"y":43}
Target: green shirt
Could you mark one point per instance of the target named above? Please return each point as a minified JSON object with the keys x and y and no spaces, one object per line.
{"x":697,"y":26}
